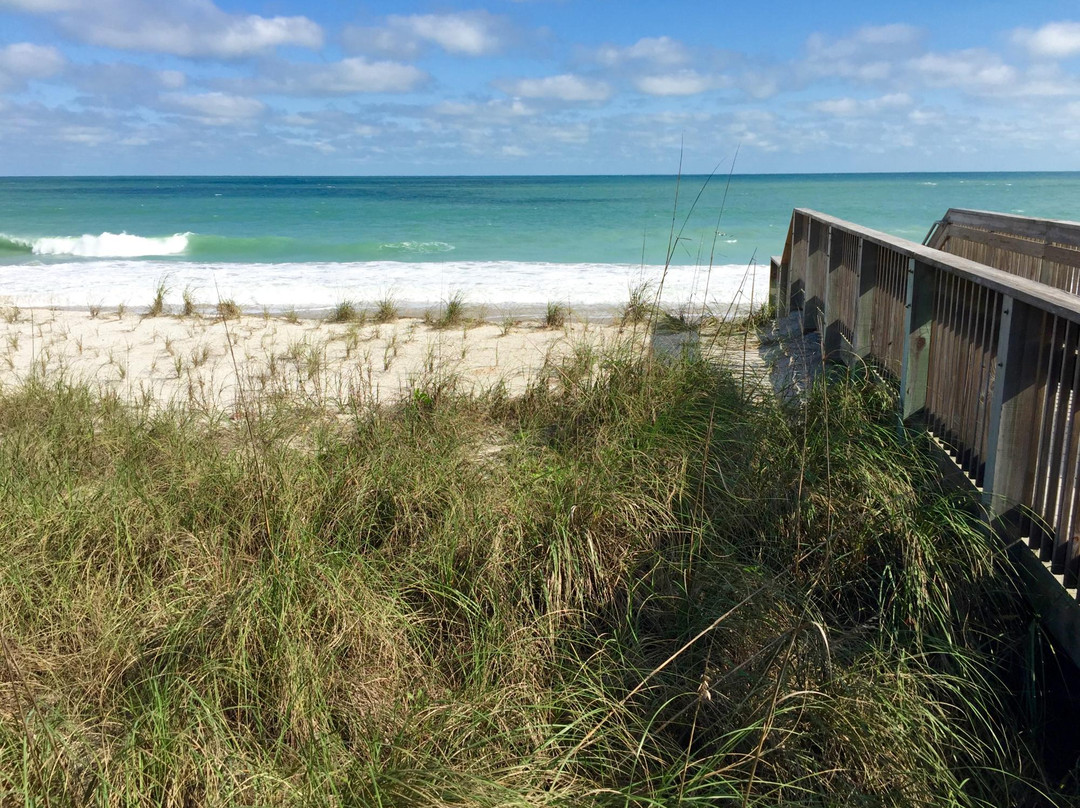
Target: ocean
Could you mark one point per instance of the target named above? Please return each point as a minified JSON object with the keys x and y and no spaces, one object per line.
{"x":505,"y":243}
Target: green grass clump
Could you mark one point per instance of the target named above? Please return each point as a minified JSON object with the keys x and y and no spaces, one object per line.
{"x":228,"y":310}
{"x":639,"y":308}
{"x":346,"y":312}
{"x":451,"y":314}
{"x":555,"y":315}
{"x":190,"y":307}
{"x":632,"y":585}
{"x":386,"y":310}
{"x":157,"y":305}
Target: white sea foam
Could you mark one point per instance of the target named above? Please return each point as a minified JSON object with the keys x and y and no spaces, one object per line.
{"x":418,"y":246}
{"x":111,"y":245}
{"x":500,"y":285}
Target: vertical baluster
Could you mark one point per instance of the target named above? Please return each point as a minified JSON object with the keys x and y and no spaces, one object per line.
{"x":1067,"y":524}
{"x":951,"y":331}
{"x":987,"y":376}
{"x":963,"y":377}
{"x":1040,"y":495}
{"x":1051,"y":478}
{"x":938,"y":379}
{"x":1067,"y":411}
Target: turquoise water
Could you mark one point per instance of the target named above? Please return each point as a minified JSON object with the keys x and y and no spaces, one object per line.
{"x":312,"y":240}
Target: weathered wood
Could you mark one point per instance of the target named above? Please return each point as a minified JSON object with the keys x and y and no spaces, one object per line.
{"x":1056,"y":231}
{"x":798,"y":261}
{"x":1056,"y":301}
{"x":1015,"y":408}
{"x":1042,"y":496}
{"x":777,"y":284}
{"x":1023,"y":246}
{"x":866,"y":283}
{"x":918,"y":328}
{"x":841,"y":295}
{"x":816,"y":275}
{"x":988,"y":357}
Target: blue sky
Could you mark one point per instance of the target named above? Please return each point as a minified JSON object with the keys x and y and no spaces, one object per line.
{"x":535,"y":86}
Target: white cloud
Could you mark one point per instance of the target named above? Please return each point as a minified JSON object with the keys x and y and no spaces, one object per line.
{"x":1055,"y":40}
{"x":217,"y":108}
{"x":565,"y":87}
{"x":27,"y":60}
{"x":232,"y":38}
{"x":470,"y":33}
{"x":172,"y":79}
{"x":841,"y":107}
{"x":851,"y":107}
{"x":386,"y":41}
{"x":347,"y":77}
{"x":178,"y":27}
{"x":496,"y":109}
{"x":297,"y":120}
{"x":973,"y":70}
{"x":684,"y":82}
{"x":85,"y":135}
{"x":864,"y":40}
{"x":927,"y":117}
{"x":657,"y":50}
{"x":24,"y":60}
{"x":41,"y":6}
{"x":870,"y":54}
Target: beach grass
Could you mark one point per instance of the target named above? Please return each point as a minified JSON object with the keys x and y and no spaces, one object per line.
{"x":556,"y":314}
{"x":190,"y":307}
{"x":228,"y":309}
{"x":157,"y":305}
{"x":387,"y":309}
{"x":346,"y":312}
{"x":452,"y":312}
{"x":634,"y":584}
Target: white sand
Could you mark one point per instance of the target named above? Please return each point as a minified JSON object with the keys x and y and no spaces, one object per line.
{"x":168,"y":359}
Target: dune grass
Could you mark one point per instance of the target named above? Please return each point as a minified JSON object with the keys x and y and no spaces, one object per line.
{"x":633,"y":585}
{"x":228,"y":309}
{"x":157,"y":305}
{"x":450,"y":314}
{"x":346,"y":312}
{"x":386,"y":309}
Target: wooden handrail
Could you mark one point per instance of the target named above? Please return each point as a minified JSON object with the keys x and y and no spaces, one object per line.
{"x":1060,"y":302}
{"x":1056,"y":231}
{"x":1043,"y":250}
{"x":988,"y":360}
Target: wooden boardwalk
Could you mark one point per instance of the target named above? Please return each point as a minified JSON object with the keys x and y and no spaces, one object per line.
{"x":980,"y":328}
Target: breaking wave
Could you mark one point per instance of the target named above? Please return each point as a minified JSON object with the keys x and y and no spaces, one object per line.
{"x":106,"y":245}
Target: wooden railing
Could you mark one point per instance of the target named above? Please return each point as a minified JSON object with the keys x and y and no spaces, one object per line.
{"x":985,"y":359}
{"x":1044,"y":250}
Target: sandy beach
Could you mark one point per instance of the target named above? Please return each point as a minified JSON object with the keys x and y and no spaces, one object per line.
{"x":198,"y":360}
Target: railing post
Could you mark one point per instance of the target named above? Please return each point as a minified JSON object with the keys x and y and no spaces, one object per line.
{"x":918,"y":328}
{"x":816,"y":276}
{"x":832,"y":339}
{"x":1014,"y":413}
{"x":777,"y":285}
{"x":800,"y":258}
{"x":866,"y":283}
